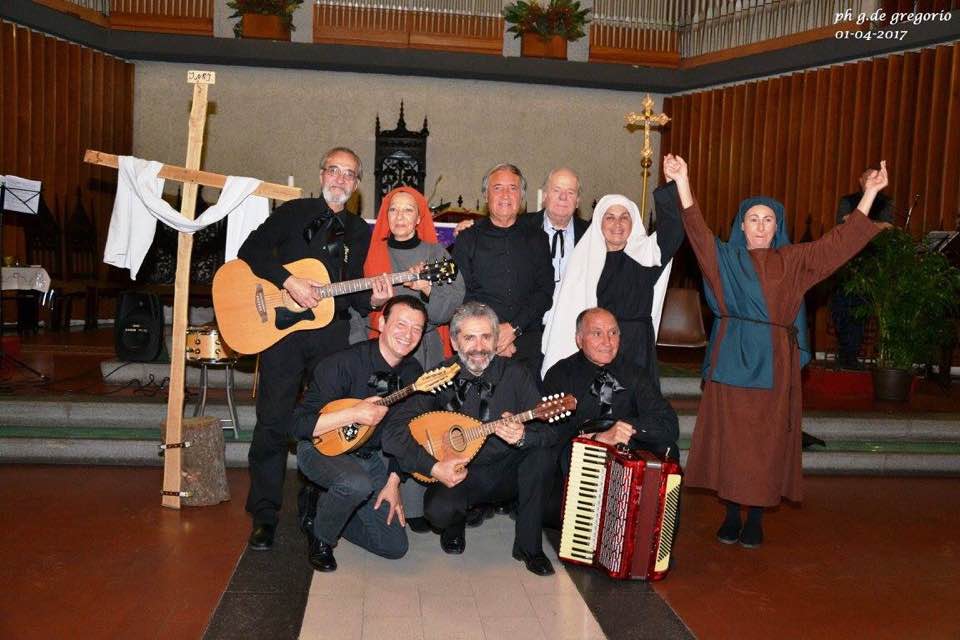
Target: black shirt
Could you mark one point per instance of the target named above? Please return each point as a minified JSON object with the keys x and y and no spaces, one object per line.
{"x":625,"y":288}
{"x":639,"y":403}
{"x":282,"y":238}
{"x":514,"y":390}
{"x":509,"y":270}
{"x":351,"y":374}
{"x":880,"y":211}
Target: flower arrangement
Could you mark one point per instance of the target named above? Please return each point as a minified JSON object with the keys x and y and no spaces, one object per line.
{"x":547,"y":18}
{"x":282,"y":8}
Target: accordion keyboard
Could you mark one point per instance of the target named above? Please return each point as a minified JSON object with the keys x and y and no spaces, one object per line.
{"x":582,"y":503}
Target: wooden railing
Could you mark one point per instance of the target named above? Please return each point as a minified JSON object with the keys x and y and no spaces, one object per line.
{"x":714,"y":25}
{"x":451,"y":25}
{"x":636,"y":32}
{"x":167,"y":16}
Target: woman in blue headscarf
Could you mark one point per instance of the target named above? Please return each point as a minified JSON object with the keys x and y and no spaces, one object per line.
{"x":746,"y":444}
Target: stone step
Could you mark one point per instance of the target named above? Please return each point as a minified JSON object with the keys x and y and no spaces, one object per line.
{"x":138,"y":452}
{"x":128,"y":414}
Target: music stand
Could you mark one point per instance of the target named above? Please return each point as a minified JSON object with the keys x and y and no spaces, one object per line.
{"x":17,"y":195}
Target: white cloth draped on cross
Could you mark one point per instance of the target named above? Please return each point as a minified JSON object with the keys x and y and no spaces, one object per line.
{"x":138,"y":206}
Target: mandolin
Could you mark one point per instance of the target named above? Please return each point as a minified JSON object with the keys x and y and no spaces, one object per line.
{"x":252,"y":313}
{"x":445,"y":434}
{"x":351,"y":437}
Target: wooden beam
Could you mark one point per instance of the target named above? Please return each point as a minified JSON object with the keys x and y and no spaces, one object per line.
{"x":206,"y":178}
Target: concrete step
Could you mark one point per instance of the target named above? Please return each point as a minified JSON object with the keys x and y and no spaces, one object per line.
{"x":126,"y":431}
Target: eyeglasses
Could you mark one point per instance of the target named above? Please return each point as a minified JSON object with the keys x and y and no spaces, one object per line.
{"x":335,"y":172}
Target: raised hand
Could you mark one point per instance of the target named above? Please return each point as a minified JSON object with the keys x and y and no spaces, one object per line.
{"x":876,"y":180}
{"x":675,"y":168}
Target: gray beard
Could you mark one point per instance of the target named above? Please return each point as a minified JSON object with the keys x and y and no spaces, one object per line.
{"x":334,"y":200}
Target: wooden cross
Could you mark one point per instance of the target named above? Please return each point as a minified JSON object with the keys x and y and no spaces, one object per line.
{"x":191,"y":178}
{"x":646,"y":118}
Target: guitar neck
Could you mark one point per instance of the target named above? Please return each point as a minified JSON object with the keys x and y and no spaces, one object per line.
{"x":361,"y":284}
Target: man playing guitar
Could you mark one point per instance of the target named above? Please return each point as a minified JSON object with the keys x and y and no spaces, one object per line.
{"x":349,"y":507}
{"x":305,"y":228}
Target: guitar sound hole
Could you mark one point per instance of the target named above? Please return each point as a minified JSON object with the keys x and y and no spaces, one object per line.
{"x":458,"y":441}
{"x":350,"y":432}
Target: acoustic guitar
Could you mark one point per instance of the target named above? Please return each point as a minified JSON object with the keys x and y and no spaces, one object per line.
{"x":351,"y":437}
{"x":252,"y":313}
{"x":445,"y":434}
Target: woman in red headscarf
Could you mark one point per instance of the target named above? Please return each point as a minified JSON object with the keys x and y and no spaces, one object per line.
{"x":403,"y":236}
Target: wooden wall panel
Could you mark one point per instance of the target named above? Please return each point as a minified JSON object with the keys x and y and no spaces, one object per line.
{"x":58,"y":99}
{"x":950,"y":188}
{"x":805,"y":138}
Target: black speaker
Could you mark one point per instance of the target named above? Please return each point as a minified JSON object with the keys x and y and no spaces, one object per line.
{"x":138,"y":330}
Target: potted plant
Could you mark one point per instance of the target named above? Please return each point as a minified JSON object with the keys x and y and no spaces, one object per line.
{"x":912,"y":294}
{"x":264,"y":19}
{"x":545,"y":26}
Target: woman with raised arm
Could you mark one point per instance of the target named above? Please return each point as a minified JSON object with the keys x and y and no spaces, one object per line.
{"x":746,"y":444}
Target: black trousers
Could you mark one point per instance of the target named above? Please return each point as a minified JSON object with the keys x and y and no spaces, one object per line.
{"x":521,"y":475}
{"x":282,"y":369}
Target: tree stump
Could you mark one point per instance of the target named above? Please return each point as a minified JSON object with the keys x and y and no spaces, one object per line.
{"x":204,"y":473}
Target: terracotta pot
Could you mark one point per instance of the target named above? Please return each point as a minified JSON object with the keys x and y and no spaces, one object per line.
{"x":533,"y":46}
{"x":264,"y":27}
{"x":892,"y":384}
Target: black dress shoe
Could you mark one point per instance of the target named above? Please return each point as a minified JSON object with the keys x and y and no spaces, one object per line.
{"x":453,"y":542}
{"x":419,"y":525}
{"x":261,"y":538}
{"x":538,"y":564}
{"x":321,"y":555}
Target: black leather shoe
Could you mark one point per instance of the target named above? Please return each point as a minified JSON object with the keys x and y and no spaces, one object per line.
{"x":419,"y":525}
{"x":503,"y":508}
{"x":538,"y":564}
{"x":261,"y":538}
{"x":453,"y":542}
{"x":321,"y":555}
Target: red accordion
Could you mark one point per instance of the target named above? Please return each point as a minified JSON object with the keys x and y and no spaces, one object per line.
{"x":620,"y":510}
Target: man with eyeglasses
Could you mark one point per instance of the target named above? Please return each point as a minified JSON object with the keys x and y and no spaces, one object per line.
{"x":508,"y":267}
{"x":317,"y":228}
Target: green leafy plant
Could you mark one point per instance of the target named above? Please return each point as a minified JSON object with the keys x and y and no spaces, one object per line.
{"x":547,"y":18}
{"x":911,"y":294}
{"x":282,"y":8}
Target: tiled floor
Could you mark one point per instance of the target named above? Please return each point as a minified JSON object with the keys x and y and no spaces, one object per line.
{"x":483,"y":594}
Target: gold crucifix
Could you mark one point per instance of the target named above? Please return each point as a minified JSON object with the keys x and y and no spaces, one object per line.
{"x":646,"y":118}
{"x":192,"y":178}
